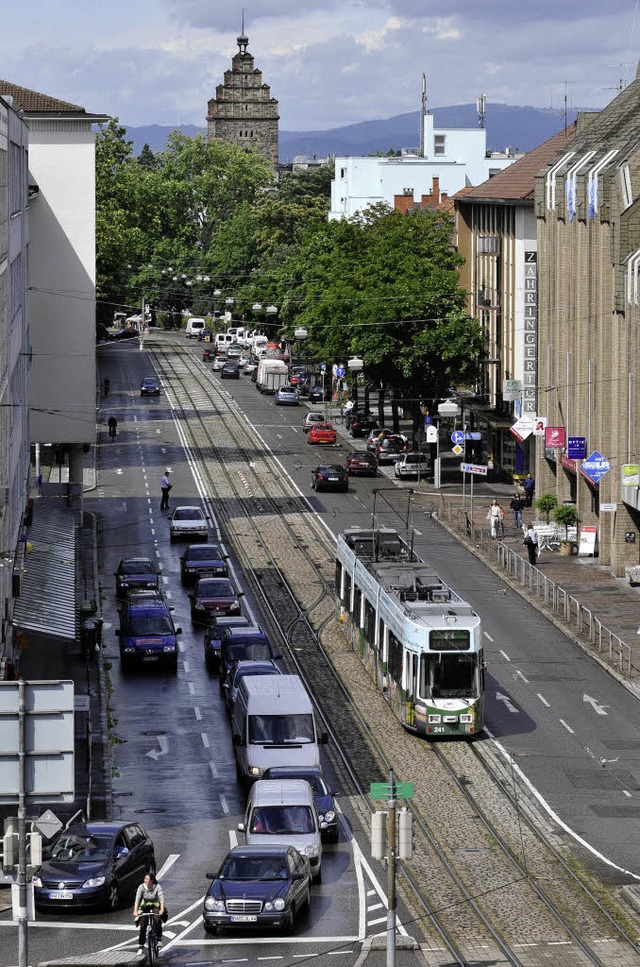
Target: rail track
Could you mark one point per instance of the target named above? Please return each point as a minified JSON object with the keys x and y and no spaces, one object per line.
{"x":485,"y":884}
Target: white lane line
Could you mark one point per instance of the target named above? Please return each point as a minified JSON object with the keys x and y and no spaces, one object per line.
{"x":224,"y":804}
{"x":75,"y":926}
{"x":205,"y":739}
{"x":567,"y":727}
{"x":214,"y":771}
{"x":264,"y":941}
{"x":375,"y":906}
{"x":487,"y":635}
{"x":197,"y":712}
{"x":519,"y":674}
{"x":626,"y":793}
{"x":505,"y":655}
{"x":543,"y":700}
{"x":186,"y":666}
{"x":166,"y":866}
{"x":192,"y":688}
{"x":372,"y":923}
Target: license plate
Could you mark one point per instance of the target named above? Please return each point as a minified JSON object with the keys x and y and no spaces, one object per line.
{"x":58,"y":895}
{"x":150,"y":658}
{"x":243,"y":918}
{"x":333,"y":479}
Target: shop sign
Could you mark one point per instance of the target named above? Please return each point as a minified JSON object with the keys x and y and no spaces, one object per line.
{"x":577,"y":447}
{"x":540,"y":426}
{"x":522,"y":428}
{"x":595,"y":467}
{"x":554,"y":438}
{"x":630,"y":475}
{"x":511,"y":390}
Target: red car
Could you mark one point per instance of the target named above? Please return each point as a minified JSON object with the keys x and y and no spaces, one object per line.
{"x":322,"y":433}
{"x":212,"y":597}
{"x":362,"y":463}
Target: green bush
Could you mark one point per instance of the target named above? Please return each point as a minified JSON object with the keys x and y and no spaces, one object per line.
{"x":566,"y":516}
{"x":546,"y":503}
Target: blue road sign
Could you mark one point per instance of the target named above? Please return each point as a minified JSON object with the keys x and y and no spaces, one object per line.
{"x":428,"y":420}
{"x":577,"y":447}
{"x":457,"y":437}
{"x":323,"y":367}
{"x":340,"y":372}
{"x":595,"y":467}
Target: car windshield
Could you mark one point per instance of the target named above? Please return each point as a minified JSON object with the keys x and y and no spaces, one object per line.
{"x":73,"y":848}
{"x":150,"y":381}
{"x":331,"y":469}
{"x":150,"y":624}
{"x":204,"y":553}
{"x":281,"y":729}
{"x":216,"y":589}
{"x":247,"y":650}
{"x":187,"y":513}
{"x":136,"y":567}
{"x":280,"y":820}
{"x":254,"y":868}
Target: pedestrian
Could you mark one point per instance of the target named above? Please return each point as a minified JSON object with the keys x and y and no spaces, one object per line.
{"x":107,"y":385}
{"x":516,"y":506}
{"x":529,"y":489}
{"x":531,"y":543}
{"x":165,"y":487}
{"x":113,"y":426}
{"x":496,"y":518}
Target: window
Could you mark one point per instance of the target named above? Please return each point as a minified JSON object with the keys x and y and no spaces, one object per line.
{"x":394,"y":665}
{"x":439,"y":144}
{"x":449,"y":639}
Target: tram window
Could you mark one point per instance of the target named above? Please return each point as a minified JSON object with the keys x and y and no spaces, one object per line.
{"x":449,"y":639}
{"x":448,"y":676}
{"x":394,"y":665}
{"x":347,"y":587}
{"x":357,"y":601}
{"x":338,"y":576}
{"x":369,"y":623}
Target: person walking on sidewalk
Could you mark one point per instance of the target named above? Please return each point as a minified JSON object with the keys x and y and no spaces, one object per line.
{"x":529,"y":489}
{"x":165,"y":487}
{"x":496,"y":518}
{"x":516,"y":506}
{"x":113,"y":426}
{"x":531,"y":543}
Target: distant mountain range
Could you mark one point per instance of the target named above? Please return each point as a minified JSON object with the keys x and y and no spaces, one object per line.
{"x":520,"y":128}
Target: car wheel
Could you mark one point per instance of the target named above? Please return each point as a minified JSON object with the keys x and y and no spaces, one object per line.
{"x":113,"y":897}
{"x":210,"y":929}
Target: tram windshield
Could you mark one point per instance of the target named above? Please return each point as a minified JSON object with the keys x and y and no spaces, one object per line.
{"x":449,"y":676}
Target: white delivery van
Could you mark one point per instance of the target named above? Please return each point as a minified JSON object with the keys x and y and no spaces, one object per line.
{"x":259,"y":345}
{"x":195,"y":326}
{"x":272,"y":374}
{"x":273,"y":725}
{"x":283,"y":813}
{"x":222,"y":340}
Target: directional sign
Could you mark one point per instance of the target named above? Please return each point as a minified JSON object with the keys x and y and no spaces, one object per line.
{"x":457,"y":449}
{"x":478,"y":468}
{"x":428,"y":420}
{"x":382,"y":790}
{"x":595,"y":467}
{"x":457,"y":437}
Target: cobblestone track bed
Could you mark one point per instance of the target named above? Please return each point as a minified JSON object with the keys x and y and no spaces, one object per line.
{"x":277,"y":537}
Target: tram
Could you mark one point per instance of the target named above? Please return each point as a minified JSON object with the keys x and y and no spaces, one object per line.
{"x":420,"y":642}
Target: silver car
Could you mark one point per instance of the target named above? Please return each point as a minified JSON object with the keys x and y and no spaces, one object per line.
{"x":188,"y":522}
{"x":412,"y":465}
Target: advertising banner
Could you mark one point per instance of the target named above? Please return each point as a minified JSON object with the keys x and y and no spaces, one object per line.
{"x":630,"y":475}
{"x":577,"y":447}
{"x":554,"y":437}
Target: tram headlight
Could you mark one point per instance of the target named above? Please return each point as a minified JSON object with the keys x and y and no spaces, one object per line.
{"x":466,"y":719}
{"x":435,"y":719}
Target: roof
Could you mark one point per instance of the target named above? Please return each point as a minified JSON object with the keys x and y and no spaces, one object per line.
{"x":35,"y":103}
{"x":276,"y":792}
{"x":516,"y":183}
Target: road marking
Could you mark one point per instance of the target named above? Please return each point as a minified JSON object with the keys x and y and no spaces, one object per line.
{"x":166,"y":866}
{"x":628,"y":794}
{"x":567,"y":727}
{"x":197,"y":712}
{"x":205,"y":739}
{"x":505,"y":655}
{"x":164,"y":748}
{"x":519,"y":674}
{"x":599,"y":709}
{"x":488,"y":636}
{"x":224,"y":804}
{"x":507,"y":703}
{"x":186,"y":666}
{"x":192,"y":688}
{"x":214,"y":771}
{"x":543,"y":700}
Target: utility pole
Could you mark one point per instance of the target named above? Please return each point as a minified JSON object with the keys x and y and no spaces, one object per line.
{"x":385,"y":847}
{"x":391,"y":873}
{"x":23,"y":959}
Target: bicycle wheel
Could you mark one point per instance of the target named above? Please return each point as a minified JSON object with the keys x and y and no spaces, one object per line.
{"x":152,"y":945}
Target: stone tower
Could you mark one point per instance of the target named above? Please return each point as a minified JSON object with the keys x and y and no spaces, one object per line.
{"x":243,"y":111}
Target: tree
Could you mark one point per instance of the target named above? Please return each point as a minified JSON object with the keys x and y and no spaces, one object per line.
{"x":546,"y":503}
{"x":146,"y":157}
{"x":566,"y":516}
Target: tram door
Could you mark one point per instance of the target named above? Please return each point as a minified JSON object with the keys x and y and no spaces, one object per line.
{"x":411,"y":686}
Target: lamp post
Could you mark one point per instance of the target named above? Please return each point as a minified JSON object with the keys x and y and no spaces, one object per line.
{"x":447,"y":410}
{"x":300,"y":335}
{"x":355,"y":365}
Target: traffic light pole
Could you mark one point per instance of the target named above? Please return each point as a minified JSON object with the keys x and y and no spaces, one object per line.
{"x":22,"y":830}
{"x":391,"y":873}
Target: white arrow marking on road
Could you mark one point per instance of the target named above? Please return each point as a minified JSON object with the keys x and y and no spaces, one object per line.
{"x":164,"y":748}
{"x":600,"y":709}
{"x":119,"y":471}
{"x":503,"y":698}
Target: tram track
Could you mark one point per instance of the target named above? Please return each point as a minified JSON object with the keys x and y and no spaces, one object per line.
{"x":468,"y":884}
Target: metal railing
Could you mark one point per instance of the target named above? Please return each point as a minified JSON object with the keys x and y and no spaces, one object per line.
{"x":554,"y":597}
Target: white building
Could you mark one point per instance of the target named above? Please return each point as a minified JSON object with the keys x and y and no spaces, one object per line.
{"x":456,"y":158}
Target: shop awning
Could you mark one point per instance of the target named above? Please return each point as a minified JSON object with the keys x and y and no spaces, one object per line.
{"x":47,"y":601}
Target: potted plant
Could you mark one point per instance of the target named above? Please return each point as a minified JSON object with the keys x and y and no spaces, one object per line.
{"x":546,"y":503}
{"x":566,"y":516}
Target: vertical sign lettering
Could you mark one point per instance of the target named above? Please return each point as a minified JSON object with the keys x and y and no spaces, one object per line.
{"x":530,"y":362}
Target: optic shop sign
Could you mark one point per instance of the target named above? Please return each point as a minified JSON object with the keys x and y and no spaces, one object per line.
{"x":595,"y":467}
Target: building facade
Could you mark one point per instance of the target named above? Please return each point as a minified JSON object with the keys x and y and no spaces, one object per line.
{"x":243,"y":112}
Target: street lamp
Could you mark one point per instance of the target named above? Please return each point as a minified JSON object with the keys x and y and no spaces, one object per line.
{"x":355,"y":365}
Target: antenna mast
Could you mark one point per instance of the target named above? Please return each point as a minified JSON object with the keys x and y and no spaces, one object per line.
{"x":481,"y":109}
{"x":423,"y":112}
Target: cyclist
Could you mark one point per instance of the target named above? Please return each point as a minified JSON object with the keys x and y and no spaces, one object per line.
{"x":149,"y":899}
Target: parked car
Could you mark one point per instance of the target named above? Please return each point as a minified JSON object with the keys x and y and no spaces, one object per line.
{"x":136,"y":572}
{"x":188,"y":522}
{"x":412,"y":465}
{"x":319,"y":395}
{"x":330,"y":477}
{"x":93,"y":865}
{"x":218,"y":363}
{"x":243,"y":644}
{"x":150,"y":386}
{"x":208,"y":353}
{"x":362,"y":462}
{"x":314,"y":416}
{"x":126,"y":333}
{"x":230,"y":370}
{"x":375,"y":436}
{"x":324,"y":798}
{"x":239,"y":670}
{"x":234,"y":350}
{"x":213,"y":636}
{"x":213,"y":596}
{"x":286,"y":396}
{"x":390,"y":448}
{"x":362,"y":424}
{"x":251,"y":365}
{"x":354,"y":414}
{"x":322,"y":433}
{"x":200,"y":559}
{"x":258,"y":886}
{"x":147,"y":634}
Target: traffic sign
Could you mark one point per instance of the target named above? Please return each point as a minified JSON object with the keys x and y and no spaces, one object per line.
{"x":478,"y":468}
{"x":48,"y":824}
{"x":457,"y":437}
{"x":323,"y":367}
{"x":432,"y":434}
{"x":457,"y":449}
{"x":428,"y":420}
{"x":382,"y":790}
{"x":595,"y":467}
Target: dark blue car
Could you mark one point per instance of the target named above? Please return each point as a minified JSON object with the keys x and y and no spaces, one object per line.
{"x":258,"y":886}
{"x":199,"y":559}
{"x":213,"y":636}
{"x":323,"y":797}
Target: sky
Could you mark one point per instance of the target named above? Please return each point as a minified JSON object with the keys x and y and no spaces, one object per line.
{"x":329,"y":63}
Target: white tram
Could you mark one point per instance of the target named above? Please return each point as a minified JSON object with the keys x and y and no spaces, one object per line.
{"x":419,"y":640}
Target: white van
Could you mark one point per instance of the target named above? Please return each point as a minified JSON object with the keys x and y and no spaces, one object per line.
{"x":273,"y":725}
{"x":272,"y":374}
{"x":283,"y":813}
{"x":222,"y":340}
{"x":194,"y":327}
{"x":259,"y":345}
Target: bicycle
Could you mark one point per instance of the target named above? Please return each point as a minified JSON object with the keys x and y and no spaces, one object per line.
{"x":152,"y":937}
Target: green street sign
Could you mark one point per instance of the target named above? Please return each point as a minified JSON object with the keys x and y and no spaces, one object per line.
{"x":382,"y":790}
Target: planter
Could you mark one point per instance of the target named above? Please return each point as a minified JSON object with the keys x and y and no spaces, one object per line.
{"x":567,"y":548}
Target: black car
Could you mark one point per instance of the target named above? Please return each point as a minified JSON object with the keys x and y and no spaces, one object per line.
{"x":319,"y":395}
{"x":136,"y":572}
{"x":93,"y":865}
{"x":361,"y":424}
{"x":200,"y":559}
{"x":208,"y":353}
{"x":150,"y":386}
{"x":230,"y":371}
{"x":123,"y":334}
{"x":213,"y":636}
{"x":324,"y":798}
{"x":330,"y":477}
{"x":258,"y":886}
